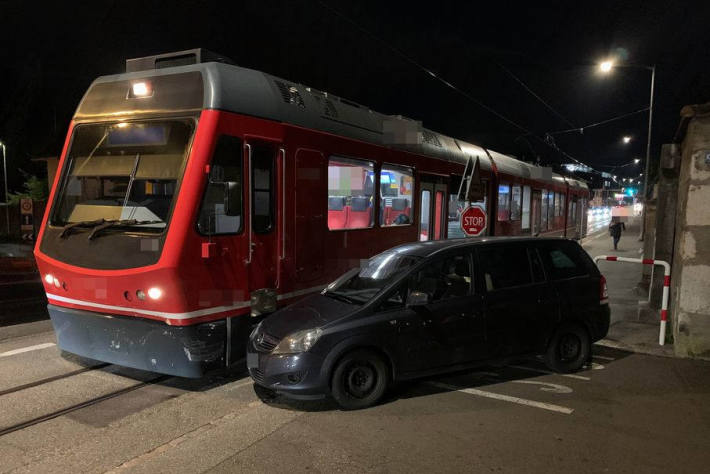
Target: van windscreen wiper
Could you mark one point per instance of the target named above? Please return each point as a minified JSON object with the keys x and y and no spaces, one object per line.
{"x":119,"y":223}
{"x":69,"y":227}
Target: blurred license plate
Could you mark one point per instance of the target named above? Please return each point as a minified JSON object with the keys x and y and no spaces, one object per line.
{"x":252,"y":361}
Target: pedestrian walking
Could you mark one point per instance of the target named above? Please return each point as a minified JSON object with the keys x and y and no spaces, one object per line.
{"x":615,"y":228}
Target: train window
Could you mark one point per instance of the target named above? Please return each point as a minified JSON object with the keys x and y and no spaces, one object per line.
{"x":503,"y":202}
{"x":424,"y":216}
{"x":562,"y":205}
{"x":515,"y":204}
{"x":396,"y":196}
{"x":543,"y":210}
{"x":456,"y":207}
{"x":262,"y":175}
{"x":550,"y":209}
{"x":351,"y":185}
{"x":525,"y":224}
{"x":558,"y":204}
{"x":226,"y":167}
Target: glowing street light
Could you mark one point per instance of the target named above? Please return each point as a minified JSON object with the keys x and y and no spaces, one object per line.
{"x":606,"y":66}
{"x":637,"y":161}
{"x":626,"y":139}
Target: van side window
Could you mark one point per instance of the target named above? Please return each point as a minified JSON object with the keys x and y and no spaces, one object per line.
{"x":446,"y":278}
{"x":504,"y":267}
{"x":226,"y":167}
{"x":563,"y":262}
{"x":536,"y":266}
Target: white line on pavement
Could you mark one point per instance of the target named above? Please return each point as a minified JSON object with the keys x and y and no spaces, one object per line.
{"x":505,"y":398}
{"x":603,"y":357}
{"x":27,"y":349}
{"x":571,"y":376}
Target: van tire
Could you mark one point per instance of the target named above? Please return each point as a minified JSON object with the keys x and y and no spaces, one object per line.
{"x":359,"y":380}
{"x":569,"y":349}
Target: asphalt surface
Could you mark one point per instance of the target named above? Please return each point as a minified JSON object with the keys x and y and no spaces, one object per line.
{"x":626,"y":413}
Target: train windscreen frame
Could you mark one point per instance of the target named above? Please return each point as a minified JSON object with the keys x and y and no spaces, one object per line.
{"x":123,"y":171}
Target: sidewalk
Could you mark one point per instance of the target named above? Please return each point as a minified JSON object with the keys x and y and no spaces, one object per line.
{"x":627,"y":330}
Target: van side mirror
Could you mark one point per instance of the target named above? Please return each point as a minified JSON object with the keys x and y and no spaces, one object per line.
{"x":232,"y":199}
{"x":417,"y":298}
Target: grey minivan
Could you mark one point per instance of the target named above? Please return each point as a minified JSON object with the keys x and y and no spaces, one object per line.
{"x":430,"y":307}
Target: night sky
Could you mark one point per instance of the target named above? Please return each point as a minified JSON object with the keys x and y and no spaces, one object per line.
{"x":372,"y":52}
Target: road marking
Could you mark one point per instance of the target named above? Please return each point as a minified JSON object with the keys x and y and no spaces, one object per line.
{"x":505,"y":398}
{"x":603,"y":357}
{"x":27,"y":349}
{"x":596,"y":366}
{"x":547,"y":387}
{"x":571,"y":376}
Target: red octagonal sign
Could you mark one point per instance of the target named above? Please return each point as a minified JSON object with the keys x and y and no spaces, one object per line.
{"x":473,"y":221}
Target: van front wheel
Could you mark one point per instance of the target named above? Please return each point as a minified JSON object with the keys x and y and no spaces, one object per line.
{"x":359,"y":380}
{"x":569,"y":349}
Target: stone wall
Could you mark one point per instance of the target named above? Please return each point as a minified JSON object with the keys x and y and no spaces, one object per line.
{"x":691,"y":260}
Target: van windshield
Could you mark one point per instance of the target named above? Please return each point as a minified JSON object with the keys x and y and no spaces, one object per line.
{"x":125,"y":172}
{"x":360,"y":285}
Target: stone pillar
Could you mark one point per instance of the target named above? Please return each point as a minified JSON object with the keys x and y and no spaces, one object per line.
{"x":666,"y":208}
{"x":690,"y":277}
{"x":648,"y":239}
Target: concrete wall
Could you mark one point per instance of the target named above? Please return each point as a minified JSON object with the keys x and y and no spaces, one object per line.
{"x":691,"y":260}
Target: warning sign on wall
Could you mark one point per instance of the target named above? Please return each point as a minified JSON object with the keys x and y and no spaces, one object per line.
{"x":27,"y":219}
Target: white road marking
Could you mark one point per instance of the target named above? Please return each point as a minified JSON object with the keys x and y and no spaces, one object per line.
{"x":547,"y":387}
{"x":596,"y":366}
{"x":505,"y":398}
{"x":27,"y":349}
{"x":603,"y":358}
{"x":571,"y":376}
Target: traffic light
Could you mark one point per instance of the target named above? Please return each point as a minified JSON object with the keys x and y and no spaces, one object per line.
{"x":631,"y":191}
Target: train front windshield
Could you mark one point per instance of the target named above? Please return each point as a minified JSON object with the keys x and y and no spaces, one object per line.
{"x":126,"y":172}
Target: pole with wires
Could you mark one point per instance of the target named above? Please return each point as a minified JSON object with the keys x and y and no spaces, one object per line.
{"x":648,"y":155}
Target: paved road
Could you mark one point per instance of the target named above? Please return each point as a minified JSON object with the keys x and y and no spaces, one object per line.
{"x":627,"y":413}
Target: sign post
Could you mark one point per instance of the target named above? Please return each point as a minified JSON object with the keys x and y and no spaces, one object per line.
{"x":473,"y":221}
{"x":27,"y":227}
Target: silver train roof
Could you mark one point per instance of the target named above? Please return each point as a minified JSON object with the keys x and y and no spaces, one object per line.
{"x":216,"y":85}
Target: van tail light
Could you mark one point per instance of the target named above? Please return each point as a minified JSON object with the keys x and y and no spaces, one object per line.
{"x":603,"y":291}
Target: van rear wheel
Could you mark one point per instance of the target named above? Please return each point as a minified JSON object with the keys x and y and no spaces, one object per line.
{"x":569,"y":349}
{"x":359,"y":380}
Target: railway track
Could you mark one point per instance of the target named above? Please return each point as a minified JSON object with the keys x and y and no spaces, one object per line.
{"x":78,"y":406}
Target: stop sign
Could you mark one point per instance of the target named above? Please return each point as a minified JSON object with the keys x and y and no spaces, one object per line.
{"x":473,"y":221}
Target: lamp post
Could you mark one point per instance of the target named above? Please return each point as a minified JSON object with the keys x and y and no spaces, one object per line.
{"x":606,"y":67}
{"x":4,"y":172}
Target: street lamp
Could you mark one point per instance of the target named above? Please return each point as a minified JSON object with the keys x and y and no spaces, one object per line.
{"x":4,"y":172}
{"x":637,"y":161}
{"x":626,"y":139}
{"x":606,"y":67}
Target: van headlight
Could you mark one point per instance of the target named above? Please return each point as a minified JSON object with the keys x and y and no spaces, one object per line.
{"x":299,"y":341}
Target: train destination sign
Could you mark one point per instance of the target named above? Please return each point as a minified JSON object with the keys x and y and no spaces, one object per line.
{"x":473,"y":221}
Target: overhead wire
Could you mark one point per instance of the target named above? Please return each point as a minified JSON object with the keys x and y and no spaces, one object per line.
{"x":465,"y":94}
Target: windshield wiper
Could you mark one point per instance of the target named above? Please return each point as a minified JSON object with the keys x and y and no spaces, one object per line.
{"x":118,"y":223}
{"x":68,"y":228}
{"x":342,"y":297}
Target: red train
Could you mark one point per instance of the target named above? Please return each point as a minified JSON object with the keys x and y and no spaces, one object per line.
{"x":193,"y":193}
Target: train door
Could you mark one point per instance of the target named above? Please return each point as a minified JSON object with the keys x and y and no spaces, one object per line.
{"x":536,"y":212}
{"x":432,"y":209}
{"x":311,"y":187}
{"x":264,"y":229}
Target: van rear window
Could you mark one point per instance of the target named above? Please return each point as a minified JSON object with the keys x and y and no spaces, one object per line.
{"x":563,"y":262}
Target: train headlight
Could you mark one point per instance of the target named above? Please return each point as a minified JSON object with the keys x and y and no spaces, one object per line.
{"x":49,"y":279}
{"x":141,"y":89}
{"x":155,"y":293}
